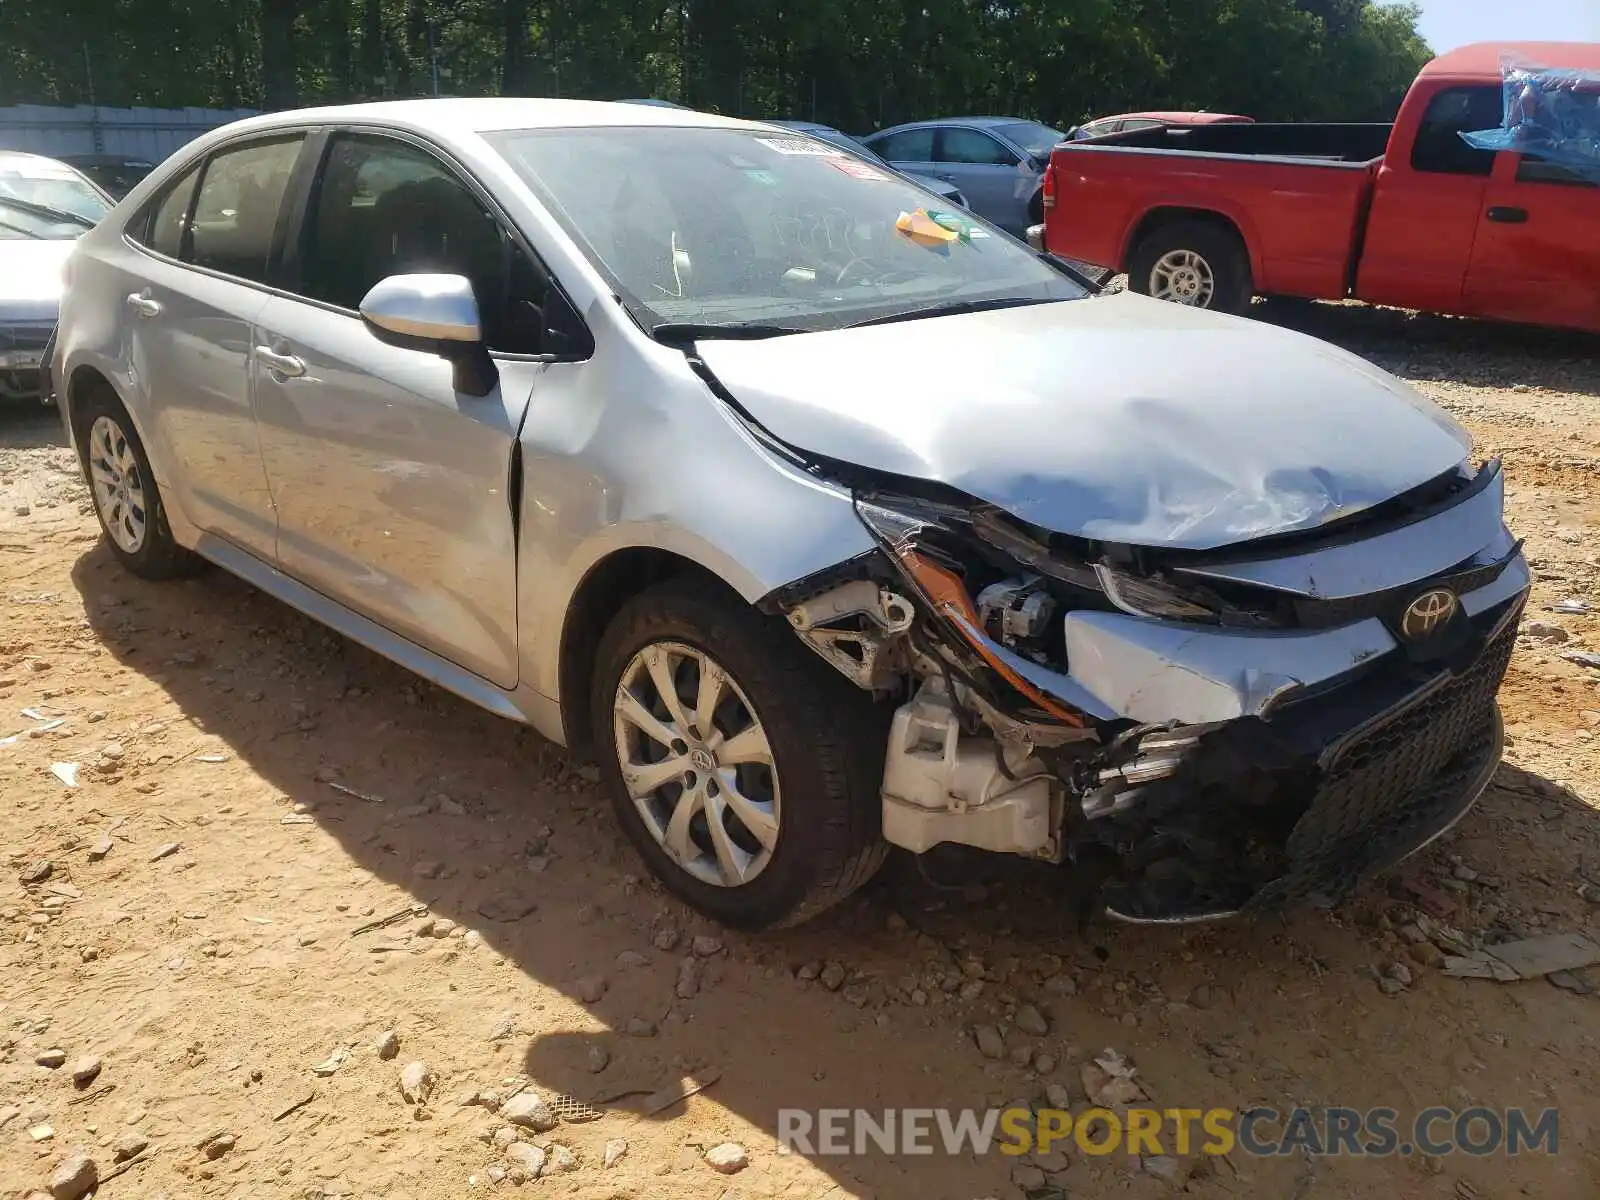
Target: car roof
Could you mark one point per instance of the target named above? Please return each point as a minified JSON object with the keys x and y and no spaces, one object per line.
{"x":802,"y":126}
{"x":1482,"y":59}
{"x":491,"y":114}
{"x":969,"y":122}
{"x":1177,"y":118}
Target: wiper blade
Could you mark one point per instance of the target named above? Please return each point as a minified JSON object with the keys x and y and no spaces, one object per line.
{"x":953,"y":309}
{"x":677,"y":332}
{"x":45,"y":211}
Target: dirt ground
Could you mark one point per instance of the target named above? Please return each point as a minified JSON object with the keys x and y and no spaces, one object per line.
{"x":198,"y":930}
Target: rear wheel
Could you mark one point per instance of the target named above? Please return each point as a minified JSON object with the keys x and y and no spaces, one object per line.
{"x":744,"y":771}
{"x":1194,"y":263}
{"x":126,"y":497}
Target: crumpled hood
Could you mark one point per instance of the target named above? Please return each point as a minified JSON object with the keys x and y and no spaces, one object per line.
{"x":1117,"y":418}
{"x":30,"y":278}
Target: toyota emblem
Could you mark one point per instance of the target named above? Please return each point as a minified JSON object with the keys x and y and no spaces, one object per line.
{"x":1428,"y":613}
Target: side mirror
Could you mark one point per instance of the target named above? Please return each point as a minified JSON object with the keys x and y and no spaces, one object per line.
{"x":436,"y":314}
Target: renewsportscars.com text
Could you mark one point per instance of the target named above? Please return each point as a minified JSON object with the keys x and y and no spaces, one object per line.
{"x":1260,"y":1132}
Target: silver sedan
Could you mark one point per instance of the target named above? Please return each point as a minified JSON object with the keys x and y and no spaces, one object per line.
{"x":825,"y":521}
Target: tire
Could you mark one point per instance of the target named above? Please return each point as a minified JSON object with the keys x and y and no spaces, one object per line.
{"x":137,"y":533}
{"x":1218,"y":258}
{"x":826,"y":738}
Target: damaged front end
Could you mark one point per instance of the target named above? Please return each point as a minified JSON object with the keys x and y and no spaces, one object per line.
{"x":1196,"y":735}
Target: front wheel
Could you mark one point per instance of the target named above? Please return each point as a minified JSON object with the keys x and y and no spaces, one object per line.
{"x":744,"y":771}
{"x":1194,"y":263}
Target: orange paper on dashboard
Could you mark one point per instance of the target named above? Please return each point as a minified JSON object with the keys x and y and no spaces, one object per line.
{"x":919,"y":226}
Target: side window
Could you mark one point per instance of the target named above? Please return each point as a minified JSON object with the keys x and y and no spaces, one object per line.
{"x":912,"y":145}
{"x":959,"y":145}
{"x":236,"y":212}
{"x":384,"y":207}
{"x":1535,"y":169}
{"x":165,"y":225}
{"x":1139,"y":124}
{"x":1454,"y":111}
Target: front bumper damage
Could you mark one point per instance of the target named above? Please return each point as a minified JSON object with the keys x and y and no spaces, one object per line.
{"x":1196,"y":737}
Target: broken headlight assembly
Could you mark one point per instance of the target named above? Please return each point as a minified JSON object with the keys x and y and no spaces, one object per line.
{"x":995,"y":595}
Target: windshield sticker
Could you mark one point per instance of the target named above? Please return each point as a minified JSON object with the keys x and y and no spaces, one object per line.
{"x":805,"y":146}
{"x":858,"y":170}
{"x":963,"y":227}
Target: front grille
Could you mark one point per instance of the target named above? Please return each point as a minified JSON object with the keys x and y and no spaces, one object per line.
{"x":1396,"y":782}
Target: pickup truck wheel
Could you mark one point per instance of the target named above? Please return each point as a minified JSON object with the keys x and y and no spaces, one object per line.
{"x":1192,"y":263}
{"x":744,"y":771}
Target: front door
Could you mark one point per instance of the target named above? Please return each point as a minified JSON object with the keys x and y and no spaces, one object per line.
{"x":1427,"y":204}
{"x":989,"y":173}
{"x":191,"y":333}
{"x":1537,"y":255}
{"x":393,"y":489}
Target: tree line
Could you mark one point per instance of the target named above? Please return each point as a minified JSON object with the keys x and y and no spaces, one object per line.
{"x":858,"y":65}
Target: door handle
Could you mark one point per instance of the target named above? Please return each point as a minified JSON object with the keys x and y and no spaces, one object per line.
{"x":281,"y":364}
{"x":1508,"y":216}
{"x":144,"y":305}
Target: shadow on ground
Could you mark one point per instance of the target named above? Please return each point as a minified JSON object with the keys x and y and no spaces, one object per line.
{"x":489,"y":825}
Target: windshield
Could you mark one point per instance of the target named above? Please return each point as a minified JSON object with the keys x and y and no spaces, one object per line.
{"x":47,"y":201}
{"x":731,"y":227}
{"x":843,"y":140}
{"x":1036,"y":139}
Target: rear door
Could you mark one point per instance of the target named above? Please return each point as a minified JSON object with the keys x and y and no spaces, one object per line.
{"x":1427,"y":207}
{"x":210,"y":241}
{"x":393,"y":489}
{"x":988,"y":172}
{"x":1537,"y":254}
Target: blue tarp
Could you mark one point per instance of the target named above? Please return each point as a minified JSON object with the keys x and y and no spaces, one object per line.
{"x":1552,"y":114}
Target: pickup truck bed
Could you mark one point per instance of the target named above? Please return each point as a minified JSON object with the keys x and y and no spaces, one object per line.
{"x":1321,"y":174}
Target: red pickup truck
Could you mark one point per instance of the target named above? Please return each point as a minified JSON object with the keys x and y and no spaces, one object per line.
{"x":1408,"y":214}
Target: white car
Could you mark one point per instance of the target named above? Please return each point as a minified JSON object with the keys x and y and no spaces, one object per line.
{"x":45,"y":206}
{"x":825,"y":523}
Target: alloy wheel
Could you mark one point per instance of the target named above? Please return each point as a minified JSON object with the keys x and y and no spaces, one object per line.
{"x":697,"y":763}
{"x":118,"y":484}
{"x":1183,"y":277}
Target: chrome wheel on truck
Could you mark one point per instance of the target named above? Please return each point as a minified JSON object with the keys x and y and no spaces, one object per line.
{"x":1201,"y":264}
{"x":1183,"y":277}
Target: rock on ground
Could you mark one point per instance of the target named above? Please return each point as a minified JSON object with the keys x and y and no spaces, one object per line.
{"x":527,"y":1156}
{"x":74,"y":1177}
{"x":990,"y":1044}
{"x":529,"y":1110}
{"x":417,"y":1081}
{"x":728,"y":1159}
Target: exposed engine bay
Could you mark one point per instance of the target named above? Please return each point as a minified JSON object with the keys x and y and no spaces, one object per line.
{"x":1197,"y":734}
